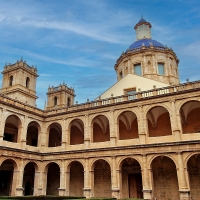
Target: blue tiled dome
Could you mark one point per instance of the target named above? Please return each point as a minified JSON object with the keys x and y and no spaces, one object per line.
{"x":146,"y":42}
{"x":142,"y":20}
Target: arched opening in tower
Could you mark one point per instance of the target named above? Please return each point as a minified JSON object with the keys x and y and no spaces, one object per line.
{"x":165,"y":182}
{"x":76,"y":132}
{"x":102,"y":179}
{"x":193,"y":167}
{"x":131,"y":179}
{"x":76,"y":184}
{"x":28,"y":179}
{"x":12,"y":129}
{"x":128,"y":126}
{"x":53,"y":179}
{"x":32,"y":134}
{"x":159,"y":122}
{"x":190,"y":117}
{"x":55,"y":135}
{"x":101,"y":129}
{"x":6,"y":177}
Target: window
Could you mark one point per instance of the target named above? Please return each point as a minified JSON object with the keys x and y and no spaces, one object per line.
{"x":68,"y":101}
{"x":11,"y":81}
{"x":161,"y":70}
{"x":130,"y":92}
{"x":27,"y":82}
{"x":55,"y":101}
{"x":137,"y":69}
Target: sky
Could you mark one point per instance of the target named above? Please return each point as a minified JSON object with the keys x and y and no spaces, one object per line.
{"x":78,"y":42}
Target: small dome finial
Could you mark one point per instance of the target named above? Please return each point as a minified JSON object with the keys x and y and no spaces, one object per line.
{"x":141,"y":16}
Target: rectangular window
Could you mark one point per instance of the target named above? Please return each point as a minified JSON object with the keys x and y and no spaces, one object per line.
{"x":161,"y":70}
{"x":137,"y":69}
{"x":130,"y":92}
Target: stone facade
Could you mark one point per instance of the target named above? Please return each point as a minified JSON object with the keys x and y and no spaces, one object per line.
{"x":145,"y":145}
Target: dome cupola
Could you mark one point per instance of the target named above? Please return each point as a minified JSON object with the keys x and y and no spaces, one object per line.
{"x":143,"y":29}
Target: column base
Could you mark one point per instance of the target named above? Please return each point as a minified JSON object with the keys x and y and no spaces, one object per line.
{"x":86,"y":192}
{"x":177,"y":136}
{"x":147,"y":194}
{"x":184,"y":194}
{"x":142,"y":138}
{"x":115,"y":193}
{"x":61,"y":191}
{"x":19,"y":191}
{"x":112,"y":141}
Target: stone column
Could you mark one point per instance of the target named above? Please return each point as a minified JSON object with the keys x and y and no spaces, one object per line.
{"x":14,"y":184}
{"x":68,"y":183}
{"x":174,"y":123}
{"x":92,"y":183}
{"x":142,"y":128}
{"x":64,"y":135}
{"x":87,"y":132}
{"x":62,"y":188}
{"x":22,"y":132}
{"x":19,"y":179}
{"x":43,"y":183}
{"x":87,"y":186}
{"x":67,"y":132}
{"x":119,"y":178}
{"x":36,"y":190}
{"x":115,"y":187}
{"x":113,"y":134}
{"x":182,"y":173}
{"x":2,"y":127}
{"x":147,"y":192}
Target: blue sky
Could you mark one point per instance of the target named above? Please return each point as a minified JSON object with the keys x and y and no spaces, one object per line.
{"x":78,"y":42}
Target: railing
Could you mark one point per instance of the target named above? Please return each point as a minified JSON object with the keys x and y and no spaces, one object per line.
{"x":124,"y":98}
{"x":109,"y":101}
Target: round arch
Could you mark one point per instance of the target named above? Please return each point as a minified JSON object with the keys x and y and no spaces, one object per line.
{"x":100,"y":129}
{"x":76,"y":127}
{"x":118,"y":113}
{"x":165,"y":180}
{"x":193,"y":166}
{"x":55,"y":134}
{"x":12,"y":128}
{"x":76,"y":182}
{"x":131,"y":181}
{"x":190,"y":116}
{"x":101,"y":176}
{"x":127,"y":125}
{"x":159,"y":122}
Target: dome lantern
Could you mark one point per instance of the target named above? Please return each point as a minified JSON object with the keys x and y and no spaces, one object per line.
{"x":143,"y":29}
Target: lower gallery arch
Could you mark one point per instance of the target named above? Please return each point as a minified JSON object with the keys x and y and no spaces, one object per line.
{"x":102,"y":179}
{"x":131,"y":179}
{"x":53,"y":179}
{"x":28,"y":179}
{"x":6,"y":177}
{"x":193,"y":166}
{"x":76,"y":183}
{"x":165,"y":182}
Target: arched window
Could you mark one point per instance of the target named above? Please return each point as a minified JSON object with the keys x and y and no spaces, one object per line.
{"x":11,"y":81}
{"x":27,"y":82}
{"x":55,"y":101}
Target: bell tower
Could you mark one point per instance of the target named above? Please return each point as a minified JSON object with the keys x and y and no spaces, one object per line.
{"x":19,"y":82}
{"x":60,"y":96}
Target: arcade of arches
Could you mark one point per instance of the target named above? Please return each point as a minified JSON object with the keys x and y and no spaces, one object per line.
{"x":73,"y":163}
